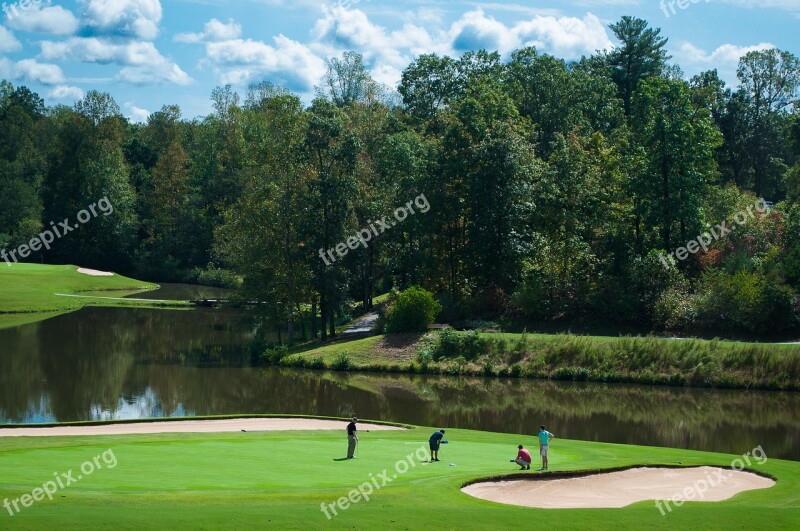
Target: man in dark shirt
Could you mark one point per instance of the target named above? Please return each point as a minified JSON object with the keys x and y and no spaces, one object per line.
{"x":434,"y":442}
{"x":352,"y":439}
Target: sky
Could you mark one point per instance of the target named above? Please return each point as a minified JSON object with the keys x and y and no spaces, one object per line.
{"x":151,"y":53}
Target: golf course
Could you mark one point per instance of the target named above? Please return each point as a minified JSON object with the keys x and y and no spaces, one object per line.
{"x":281,"y":479}
{"x":32,"y":292}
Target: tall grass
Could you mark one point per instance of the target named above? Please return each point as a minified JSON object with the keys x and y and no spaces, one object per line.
{"x":627,"y":359}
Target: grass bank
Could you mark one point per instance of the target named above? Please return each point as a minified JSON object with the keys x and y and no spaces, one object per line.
{"x":640,"y":360}
{"x":31,"y":292}
{"x":280,"y":479}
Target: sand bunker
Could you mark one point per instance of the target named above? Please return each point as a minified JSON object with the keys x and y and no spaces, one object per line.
{"x":94,"y":272}
{"x":193,"y":426}
{"x":620,"y":489}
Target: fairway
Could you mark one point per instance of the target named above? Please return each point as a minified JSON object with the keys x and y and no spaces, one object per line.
{"x":32,"y":292}
{"x":279,"y":480}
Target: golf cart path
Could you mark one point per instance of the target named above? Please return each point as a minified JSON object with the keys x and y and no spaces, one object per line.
{"x":362,"y":325}
{"x":194,"y":426}
{"x":620,"y":489}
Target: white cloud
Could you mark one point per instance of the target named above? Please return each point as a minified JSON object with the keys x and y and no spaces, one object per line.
{"x":53,"y":20}
{"x":724,"y":58}
{"x":137,"y":114}
{"x":300,"y":66}
{"x":214,"y":31}
{"x":131,"y":18}
{"x":66,"y":93}
{"x":163,"y":71}
{"x":292,"y":64}
{"x":8,"y":43}
{"x":34,"y":72}
{"x":143,"y":63}
{"x":726,"y":55}
{"x":567,"y":37}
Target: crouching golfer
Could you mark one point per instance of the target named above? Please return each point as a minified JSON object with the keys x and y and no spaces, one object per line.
{"x":352,"y":439}
{"x":544,"y":444}
{"x":434,"y":442}
{"x":523,"y":458}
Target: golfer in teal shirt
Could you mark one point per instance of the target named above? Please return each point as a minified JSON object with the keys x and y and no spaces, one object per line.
{"x":544,"y":443}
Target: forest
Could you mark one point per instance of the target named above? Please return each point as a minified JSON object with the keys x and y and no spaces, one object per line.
{"x":555,"y":189}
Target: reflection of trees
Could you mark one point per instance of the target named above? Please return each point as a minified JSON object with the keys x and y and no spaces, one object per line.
{"x":75,"y":365}
{"x":85,"y":362}
{"x":22,"y":385}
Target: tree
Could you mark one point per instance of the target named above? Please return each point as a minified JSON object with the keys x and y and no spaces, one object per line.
{"x":261,"y":236}
{"x":679,"y":142}
{"x":347,"y":80}
{"x":770,"y":80}
{"x":641,"y":55}
{"x":428,"y":85}
{"x":332,"y":156}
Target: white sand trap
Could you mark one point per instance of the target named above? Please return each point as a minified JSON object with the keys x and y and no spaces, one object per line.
{"x":94,"y":272}
{"x":620,"y":489}
{"x":194,"y":426}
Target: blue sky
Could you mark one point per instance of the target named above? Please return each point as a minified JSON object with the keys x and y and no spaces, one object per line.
{"x":150,"y":53}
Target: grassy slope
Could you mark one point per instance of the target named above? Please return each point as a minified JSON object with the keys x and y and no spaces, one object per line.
{"x":643,"y":360}
{"x":278,"y":480}
{"x":32,"y":288}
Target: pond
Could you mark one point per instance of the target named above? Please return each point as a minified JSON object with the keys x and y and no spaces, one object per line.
{"x":121,"y":363}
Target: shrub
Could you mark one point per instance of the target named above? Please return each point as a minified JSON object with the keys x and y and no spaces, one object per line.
{"x":746,"y":301}
{"x":213,"y":276}
{"x":274,"y":356}
{"x":317,"y":363}
{"x":469,"y":345}
{"x":414,"y":309}
{"x":342,"y":362}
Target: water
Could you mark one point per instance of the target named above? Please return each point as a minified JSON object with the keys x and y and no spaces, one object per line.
{"x":120,"y":363}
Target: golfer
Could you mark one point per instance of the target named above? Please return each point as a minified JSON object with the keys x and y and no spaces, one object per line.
{"x":434,"y":442}
{"x":544,"y":442}
{"x":523,"y":458}
{"x":352,"y":438}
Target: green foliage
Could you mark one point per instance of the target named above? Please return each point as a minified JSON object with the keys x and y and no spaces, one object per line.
{"x":274,"y":355}
{"x":747,"y":301}
{"x":453,"y":344}
{"x":414,"y":309}
{"x":342,"y":362}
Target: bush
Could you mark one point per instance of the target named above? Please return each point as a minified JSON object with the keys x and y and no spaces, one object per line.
{"x":274,"y":356}
{"x":342,"y":362}
{"x":452,"y":344}
{"x":213,"y":276}
{"x":745,"y":301}
{"x":317,"y":363}
{"x":414,"y":309}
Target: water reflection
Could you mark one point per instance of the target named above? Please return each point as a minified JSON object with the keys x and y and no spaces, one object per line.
{"x":117,"y":363}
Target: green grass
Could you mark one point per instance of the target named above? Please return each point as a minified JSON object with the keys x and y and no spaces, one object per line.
{"x":278,"y":480}
{"x":641,"y":360}
{"x":30,"y":292}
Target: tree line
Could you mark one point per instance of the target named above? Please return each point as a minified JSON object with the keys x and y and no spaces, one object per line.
{"x":554,"y":187}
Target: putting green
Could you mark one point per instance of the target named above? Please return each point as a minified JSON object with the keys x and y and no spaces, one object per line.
{"x":280,"y":479}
